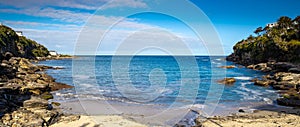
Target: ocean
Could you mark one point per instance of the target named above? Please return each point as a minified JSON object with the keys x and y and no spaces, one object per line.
{"x":166,"y":81}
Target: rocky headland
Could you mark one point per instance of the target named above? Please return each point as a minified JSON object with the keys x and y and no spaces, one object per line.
{"x":276,"y":51}
{"x":24,"y":87}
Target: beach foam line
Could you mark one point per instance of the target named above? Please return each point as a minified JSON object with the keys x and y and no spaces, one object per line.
{"x":243,"y":78}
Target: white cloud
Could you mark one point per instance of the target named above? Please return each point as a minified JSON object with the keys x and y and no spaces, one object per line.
{"x":78,"y":4}
{"x":86,"y":4}
{"x":48,"y":8}
{"x":63,"y":37}
{"x":125,"y":3}
{"x":62,"y":15}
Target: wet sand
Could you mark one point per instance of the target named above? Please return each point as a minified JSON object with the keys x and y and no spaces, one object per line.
{"x":151,"y":115}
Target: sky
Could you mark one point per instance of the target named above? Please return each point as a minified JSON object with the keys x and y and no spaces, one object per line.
{"x":61,"y":25}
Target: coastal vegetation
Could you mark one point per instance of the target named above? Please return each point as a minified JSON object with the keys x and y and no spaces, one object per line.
{"x":19,"y":45}
{"x":275,"y":49}
{"x":278,"y":41}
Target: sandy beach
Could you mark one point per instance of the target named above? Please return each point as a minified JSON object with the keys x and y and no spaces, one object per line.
{"x":150,"y":115}
{"x":139,"y":116}
{"x":270,"y":116}
{"x":102,"y":121}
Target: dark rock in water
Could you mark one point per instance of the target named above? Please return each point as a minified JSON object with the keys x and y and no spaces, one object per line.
{"x":264,"y":82}
{"x":295,"y":102}
{"x":227,"y":81}
{"x":228,"y":67}
{"x":57,"y":86}
{"x":241,"y":110}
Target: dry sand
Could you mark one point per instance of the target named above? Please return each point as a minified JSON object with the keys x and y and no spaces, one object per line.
{"x":102,"y":121}
{"x":272,"y":117}
{"x":135,"y":116}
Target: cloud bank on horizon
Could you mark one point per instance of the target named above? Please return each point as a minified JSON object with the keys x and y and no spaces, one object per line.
{"x":57,"y":24}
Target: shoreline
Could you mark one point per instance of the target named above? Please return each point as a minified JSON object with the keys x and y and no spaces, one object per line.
{"x":122,"y":119}
{"x":261,"y":115}
{"x":286,"y":112}
{"x":142,"y":113}
{"x":25,"y":93}
{"x":284,"y":77}
{"x":140,"y":121}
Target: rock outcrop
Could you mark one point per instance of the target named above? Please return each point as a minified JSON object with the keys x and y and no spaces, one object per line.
{"x":227,"y":81}
{"x":276,"y":51}
{"x":24,"y":94}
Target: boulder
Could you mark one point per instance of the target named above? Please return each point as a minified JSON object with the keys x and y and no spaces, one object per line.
{"x":36,"y":103}
{"x":55,"y":103}
{"x":57,"y":86}
{"x":283,"y":86}
{"x":41,"y":81}
{"x":227,"y":81}
{"x":32,"y":77}
{"x":260,"y":66}
{"x":47,"y":96}
{"x":289,"y":102}
{"x":7,"y":117}
{"x":228,"y":67}
{"x":283,"y":66}
{"x":34,"y":85}
{"x":47,"y":78}
{"x":264,"y":82}
{"x":288,"y":78}
{"x":250,"y":66}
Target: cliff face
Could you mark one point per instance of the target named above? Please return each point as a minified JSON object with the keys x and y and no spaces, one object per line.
{"x":19,"y":46}
{"x":279,"y":42}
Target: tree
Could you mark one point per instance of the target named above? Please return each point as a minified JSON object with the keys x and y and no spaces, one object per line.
{"x":267,"y":28}
{"x":258,"y":30}
{"x":284,"y":22}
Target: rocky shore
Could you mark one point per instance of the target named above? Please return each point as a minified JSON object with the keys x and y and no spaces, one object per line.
{"x":275,"y":51}
{"x":282,"y":76}
{"x":24,"y":94}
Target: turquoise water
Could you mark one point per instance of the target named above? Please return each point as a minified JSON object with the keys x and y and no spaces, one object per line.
{"x":165,"y":72}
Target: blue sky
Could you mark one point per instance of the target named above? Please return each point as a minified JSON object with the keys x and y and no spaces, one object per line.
{"x":57,"y":24}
